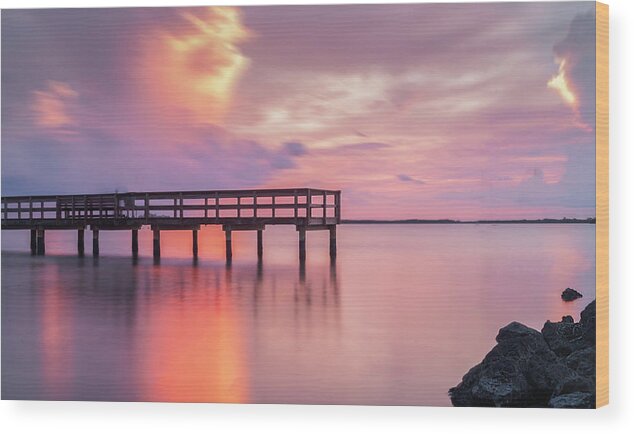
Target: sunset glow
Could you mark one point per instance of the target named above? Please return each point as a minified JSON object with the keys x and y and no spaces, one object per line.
{"x":560,"y":84}
{"x":356,"y":98}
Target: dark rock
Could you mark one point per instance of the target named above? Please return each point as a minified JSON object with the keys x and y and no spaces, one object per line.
{"x":573,"y":400}
{"x":563,"y":337}
{"x":589,"y":323}
{"x":583,"y":361}
{"x":520,"y":371}
{"x":570,"y":294}
{"x":566,"y":336}
{"x":555,"y":368}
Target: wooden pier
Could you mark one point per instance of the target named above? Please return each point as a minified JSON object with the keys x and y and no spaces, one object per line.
{"x":307,"y":209}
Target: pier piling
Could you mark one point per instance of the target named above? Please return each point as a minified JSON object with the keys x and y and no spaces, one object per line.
{"x":33,"y":242}
{"x":80,"y":242}
{"x":195,"y":243}
{"x":135,"y":242}
{"x":260,"y":245}
{"x":333,"y":241}
{"x":228,"y":250}
{"x":302,"y":243}
{"x":156,"y":243}
{"x":95,"y":242}
{"x":41,"y":249}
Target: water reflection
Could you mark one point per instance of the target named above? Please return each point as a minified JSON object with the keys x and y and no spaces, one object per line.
{"x":398,"y":318}
{"x":56,"y":330}
{"x":193,"y":340}
{"x":170,"y":332}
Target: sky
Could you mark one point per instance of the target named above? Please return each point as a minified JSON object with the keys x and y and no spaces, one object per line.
{"x":463,"y":111}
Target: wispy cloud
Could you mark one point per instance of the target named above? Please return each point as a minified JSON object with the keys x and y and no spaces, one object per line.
{"x":407,"y":178}
{"x":51,"y":106}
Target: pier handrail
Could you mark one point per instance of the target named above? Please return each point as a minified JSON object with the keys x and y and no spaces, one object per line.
{"x":300,"y":206}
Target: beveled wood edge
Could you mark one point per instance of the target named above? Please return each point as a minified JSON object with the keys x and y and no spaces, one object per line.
{"x":602,"y":203}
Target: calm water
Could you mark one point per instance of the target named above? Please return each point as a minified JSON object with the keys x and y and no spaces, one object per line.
{"x":404,"y":312}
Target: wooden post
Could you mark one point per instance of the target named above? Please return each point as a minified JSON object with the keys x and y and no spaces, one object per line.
{"x":217,"y":206}
{"x":135,"y":243}
{"x":325,"y":201}
{"x":195,"y":243}
{"x":255,"y":206}
{"x":273,"y":206}
{"x":181,"y":212}
{"x":302,"y":243}
{"x":147,"y":207}
{"x":33,"y":242}
{"x":41,"y":248}
{"x":333,"y":241}
{"x":80,"y":242}
{"x":95,"y":242}
{"x":309,"y":206}
{"x":157,"y":243}
{"x":228,"y":252}
{"x":260,"y":245}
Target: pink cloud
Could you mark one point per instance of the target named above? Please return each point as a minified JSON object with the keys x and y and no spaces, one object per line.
{"x":52,"y":106}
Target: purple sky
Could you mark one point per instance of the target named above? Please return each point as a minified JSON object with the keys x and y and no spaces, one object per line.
{"x":414,"y":111}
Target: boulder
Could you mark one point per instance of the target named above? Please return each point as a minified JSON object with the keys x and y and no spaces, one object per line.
{"x":570,"y":294}
{"x":520,"y":371}
{"x":563,"y":337}
{"x":555,"y":368}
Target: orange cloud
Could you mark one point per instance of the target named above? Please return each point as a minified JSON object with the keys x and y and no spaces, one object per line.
{"x":559,"y":82}
{"x":575,"y":80}
{"x":51,"y":106}
{"x":190,"y":72}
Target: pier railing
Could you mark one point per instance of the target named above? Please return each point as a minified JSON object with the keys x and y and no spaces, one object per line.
{"x":305,"y":206}
{"x":302,"y":207}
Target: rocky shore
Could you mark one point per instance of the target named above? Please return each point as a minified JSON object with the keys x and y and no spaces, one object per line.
{"x":527,"y":368}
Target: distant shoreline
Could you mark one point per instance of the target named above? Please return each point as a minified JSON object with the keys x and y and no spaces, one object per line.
{"x":591,"y":220}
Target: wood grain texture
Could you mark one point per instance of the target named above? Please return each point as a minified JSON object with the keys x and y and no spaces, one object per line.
{"x":602,"y":202}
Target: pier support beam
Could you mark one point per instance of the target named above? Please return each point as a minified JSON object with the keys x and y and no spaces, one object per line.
{"x":33,"y":242}
{"x":95,"y":242}
{"x":260,"y":245}
{"x":41,"y":249}
{"x":228,"y":252}
{"x":157,"y":243}
{"x":302,"y":243}
{"x":80,"y":242}
{"x":195,"y":243}
{"x":333,"y":241}
{"x":135,"y":243}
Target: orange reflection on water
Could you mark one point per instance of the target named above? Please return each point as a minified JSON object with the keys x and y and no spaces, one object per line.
{"x":56,"y":330}
{"x":211,"y":244}
{"x":193,"y":347}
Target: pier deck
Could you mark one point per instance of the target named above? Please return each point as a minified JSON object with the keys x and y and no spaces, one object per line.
{"x":236,"y":210}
